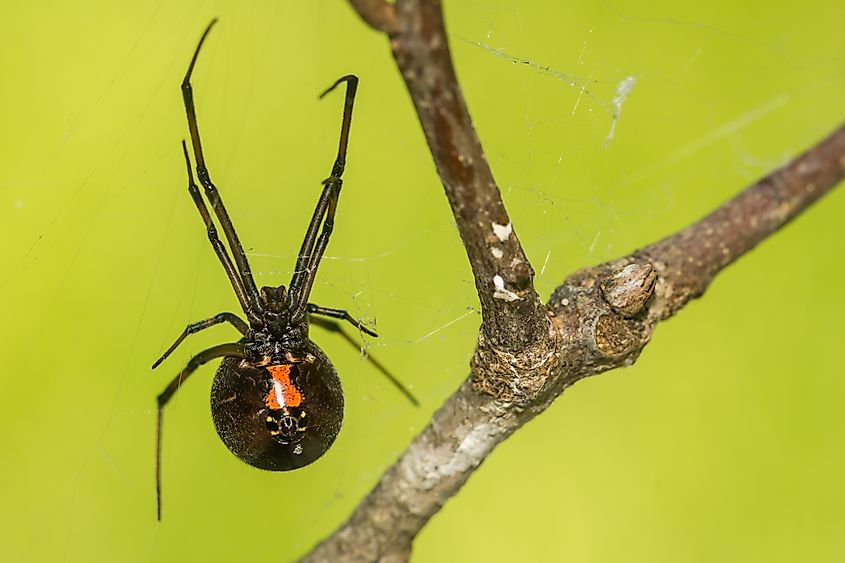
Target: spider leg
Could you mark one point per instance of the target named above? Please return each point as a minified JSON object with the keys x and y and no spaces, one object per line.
{"x":334,"y":326}
{"x":306,"y":264}
{"x":230,"y":318}
{"x":313,"y":247}
{"x":211,"y":192}
{"x":234,"y":350}
{"x":351,"y":88}
{"x":340,"y":314}
{"x":219,"y":249}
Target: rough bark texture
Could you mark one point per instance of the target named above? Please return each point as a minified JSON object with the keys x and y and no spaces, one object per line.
{"x":512,"y":314}
{"x":598,"y":319}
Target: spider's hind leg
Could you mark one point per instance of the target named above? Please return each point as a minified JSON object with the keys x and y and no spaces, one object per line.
{"x":334,"y":326}
{"x":231,"y":350}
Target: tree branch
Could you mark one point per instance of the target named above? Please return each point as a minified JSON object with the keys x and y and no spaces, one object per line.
{"x":600,"y":318}
{"x":512,"y":313}
{"x":619,"y":303}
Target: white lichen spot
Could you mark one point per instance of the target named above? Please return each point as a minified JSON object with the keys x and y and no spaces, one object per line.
{"x":502,"y":232}
{"x":473,"y":448}
{"x":497,"y":252}
{"x":501,"y":292}
{"x":429,"y":470}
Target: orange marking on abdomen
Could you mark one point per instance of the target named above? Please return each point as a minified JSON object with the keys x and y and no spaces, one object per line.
{"x":283,"y":393}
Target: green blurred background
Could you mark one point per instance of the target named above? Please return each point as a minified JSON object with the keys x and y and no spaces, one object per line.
{"x":723,"y":443}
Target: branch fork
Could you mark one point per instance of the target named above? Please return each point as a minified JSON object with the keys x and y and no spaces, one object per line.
{"x":528,"y":353}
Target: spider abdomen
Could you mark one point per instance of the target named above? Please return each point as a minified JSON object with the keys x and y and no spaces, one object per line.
{"x":279,"y":416}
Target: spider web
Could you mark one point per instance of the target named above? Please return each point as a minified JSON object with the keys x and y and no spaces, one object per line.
{"x":590,"y":115}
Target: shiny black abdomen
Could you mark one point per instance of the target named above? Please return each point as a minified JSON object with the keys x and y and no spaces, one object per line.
{"x":249,"y":401}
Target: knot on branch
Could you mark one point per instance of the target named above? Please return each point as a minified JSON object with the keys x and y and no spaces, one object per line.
{"x":604,"y":314}
{"x":628,"y":289}
{"x":518,"y":377}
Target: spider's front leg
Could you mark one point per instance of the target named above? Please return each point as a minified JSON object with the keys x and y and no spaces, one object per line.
{"x":313,"y":247}
{"x":244,"y":274}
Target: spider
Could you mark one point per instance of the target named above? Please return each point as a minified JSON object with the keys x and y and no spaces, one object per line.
{"x":276,"y":399}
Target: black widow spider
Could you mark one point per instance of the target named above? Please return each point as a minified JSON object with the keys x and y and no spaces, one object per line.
{"x":276,"y":399}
